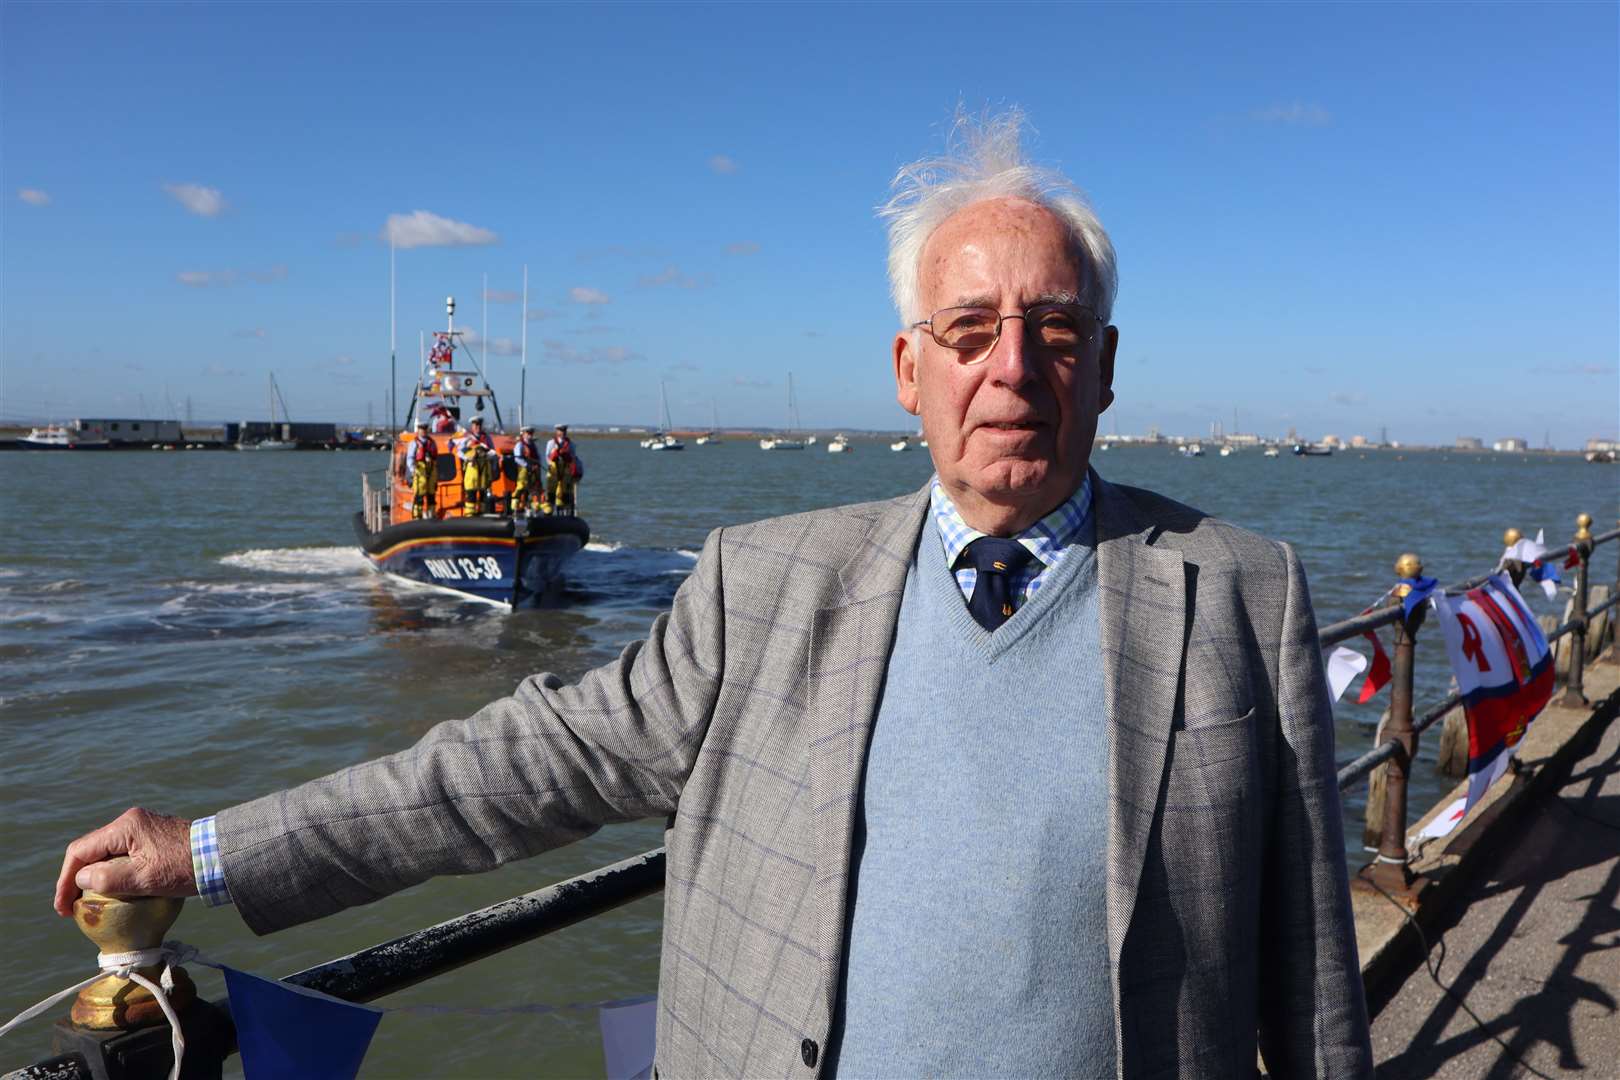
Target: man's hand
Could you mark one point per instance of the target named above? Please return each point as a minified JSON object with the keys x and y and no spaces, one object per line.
{"x":138,"y":854}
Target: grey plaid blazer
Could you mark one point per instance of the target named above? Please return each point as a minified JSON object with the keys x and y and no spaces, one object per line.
{"x":746,"y":715}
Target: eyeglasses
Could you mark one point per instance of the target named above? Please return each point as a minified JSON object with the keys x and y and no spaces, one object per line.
{"x":1060,"y":327}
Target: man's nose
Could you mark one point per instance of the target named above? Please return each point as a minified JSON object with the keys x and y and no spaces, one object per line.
{"x":1009,"y":358}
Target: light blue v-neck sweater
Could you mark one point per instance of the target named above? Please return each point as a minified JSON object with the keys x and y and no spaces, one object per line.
{"x":977,"y":938}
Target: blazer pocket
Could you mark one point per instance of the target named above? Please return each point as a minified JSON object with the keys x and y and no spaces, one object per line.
{"x":1211,"y":744}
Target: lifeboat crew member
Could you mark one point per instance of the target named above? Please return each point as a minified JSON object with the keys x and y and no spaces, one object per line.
{"x":563,"y":475}
{"x":478,"y":463}
{"x":420,"y":459}
{"x":527,"y":456}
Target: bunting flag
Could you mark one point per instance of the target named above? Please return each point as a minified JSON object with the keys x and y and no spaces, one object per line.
{"x":1343,"y":665}
{"x":1546,"y":575}
{"x":628,"y":1038}
{"x":1573,"y":559}
{"x":1418,"y":589}
{"x":1379,"y":675}
{"x":288,"y":1031}
{"x":1531,"y":553}
{"x":1504,"y":672}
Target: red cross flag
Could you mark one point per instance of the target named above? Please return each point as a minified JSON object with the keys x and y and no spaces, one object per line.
{"x":1504,"y":672}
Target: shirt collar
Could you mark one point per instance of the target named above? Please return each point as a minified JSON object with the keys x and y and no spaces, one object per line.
{"x":1046,"y":539}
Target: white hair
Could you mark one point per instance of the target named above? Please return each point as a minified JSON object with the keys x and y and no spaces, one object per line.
{"x":983,"y":160}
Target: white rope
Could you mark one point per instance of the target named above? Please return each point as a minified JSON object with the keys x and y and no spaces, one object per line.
{"x":124,"y":966}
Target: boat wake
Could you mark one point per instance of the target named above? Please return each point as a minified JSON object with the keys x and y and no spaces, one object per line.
{"x":314,"y":562}
{"x":617,"y":575}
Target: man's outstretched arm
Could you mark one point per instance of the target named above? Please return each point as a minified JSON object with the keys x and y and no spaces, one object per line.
{"x":546,"y":766}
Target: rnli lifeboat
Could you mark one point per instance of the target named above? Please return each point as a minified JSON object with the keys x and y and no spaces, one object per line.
{"x":499,"y":552}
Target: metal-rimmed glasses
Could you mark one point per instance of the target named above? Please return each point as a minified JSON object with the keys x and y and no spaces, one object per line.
{"x":1055,"y":326}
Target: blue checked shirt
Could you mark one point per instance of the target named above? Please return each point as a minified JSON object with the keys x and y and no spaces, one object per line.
{"x":1049,"y":539}
{"x":205,"y":866}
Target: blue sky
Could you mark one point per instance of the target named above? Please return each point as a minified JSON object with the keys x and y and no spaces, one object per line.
{"x":1329,"y":217}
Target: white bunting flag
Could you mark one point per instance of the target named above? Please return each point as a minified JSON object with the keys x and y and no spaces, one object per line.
{"x":1343,"y":665}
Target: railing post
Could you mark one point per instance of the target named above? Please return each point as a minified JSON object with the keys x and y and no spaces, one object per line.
{"x":1574,"y":694}
{"x":1390,"y":872}
{"x":1514,"y":567}
{"x":1613,"y":655}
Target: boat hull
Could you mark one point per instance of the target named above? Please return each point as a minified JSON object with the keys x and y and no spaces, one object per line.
{"x":492,"y":558}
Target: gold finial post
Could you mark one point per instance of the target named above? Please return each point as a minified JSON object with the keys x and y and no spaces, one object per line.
{"x":1574,"y":688}
{"x":1514,"y":567}
{"x":1390,"y":873}
{"x":119,"y":925}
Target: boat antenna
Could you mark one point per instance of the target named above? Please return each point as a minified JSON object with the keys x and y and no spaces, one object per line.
{"x":523,"y":377}
{"x":393,"y":375}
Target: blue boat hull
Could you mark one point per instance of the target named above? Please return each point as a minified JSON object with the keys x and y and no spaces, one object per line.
{"x":495,"y":559}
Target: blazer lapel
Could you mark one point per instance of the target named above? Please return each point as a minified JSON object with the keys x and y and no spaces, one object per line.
{"x":1142,"y":593}
{"x":848,"y":659}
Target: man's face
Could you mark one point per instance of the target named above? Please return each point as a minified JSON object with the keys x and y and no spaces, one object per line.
{"x":1009,"y":428}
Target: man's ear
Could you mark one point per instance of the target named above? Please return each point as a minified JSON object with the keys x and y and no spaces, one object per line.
{"x":905,"y":372}
{"x":1105,"y":367}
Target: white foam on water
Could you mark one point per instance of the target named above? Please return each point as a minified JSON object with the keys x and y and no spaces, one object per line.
{"x":603,"y":545}
{"x":32,"y":615}
{"x":8,"y":572}
{"x":318,"y":561}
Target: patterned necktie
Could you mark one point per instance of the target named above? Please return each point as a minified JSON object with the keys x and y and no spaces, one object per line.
{"x":997,"y":563}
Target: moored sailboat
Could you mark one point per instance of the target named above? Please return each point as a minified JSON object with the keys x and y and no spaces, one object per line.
{"x":788,"y":441}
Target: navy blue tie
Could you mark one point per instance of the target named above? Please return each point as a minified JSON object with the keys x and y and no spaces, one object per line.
{"x":997,"y":563}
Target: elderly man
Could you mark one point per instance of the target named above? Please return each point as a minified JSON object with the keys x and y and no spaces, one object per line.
{"x":1024,"y":773}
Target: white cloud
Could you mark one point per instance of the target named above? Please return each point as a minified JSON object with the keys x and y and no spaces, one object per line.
{"x":722,"y":164}
{"x":502,"y":296}
{"x":599,"y":354}
{"x":742,"y":247}
{"x":1575,"y":369}
{"x":203,"y":279}
{"x":257,"y":332}
{"x":343,"y":361}
{"x":579,"y":294}
{"x":33,"y":196}
{"x":500,"y":346}
{"x":221,"y":370}
{"x":538,"y":314}
{"x":422,"y":229}
{"x":1348,"y":397}
{"x":200,"y":200}
{"x":1298,"y":114}
{"x":753,"y":384}
{"x":672,"y":275}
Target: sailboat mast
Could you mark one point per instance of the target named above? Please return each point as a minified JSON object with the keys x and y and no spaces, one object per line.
{"x":393,"y":373}
{"x":523,"y":378}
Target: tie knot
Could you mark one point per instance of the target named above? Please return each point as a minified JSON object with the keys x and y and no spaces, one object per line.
{"x":995,"y":555}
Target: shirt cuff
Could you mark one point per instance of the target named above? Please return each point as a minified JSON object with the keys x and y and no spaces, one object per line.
{"x":205,"y":864}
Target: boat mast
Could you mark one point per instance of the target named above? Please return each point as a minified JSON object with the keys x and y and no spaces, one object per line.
{"x":393,"y":376}
{"x":523,"y":378}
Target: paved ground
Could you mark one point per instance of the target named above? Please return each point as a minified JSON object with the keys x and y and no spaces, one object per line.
{"x":1533,"y":950}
